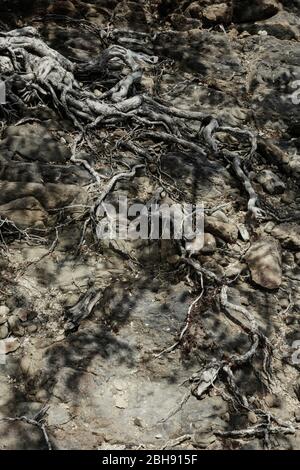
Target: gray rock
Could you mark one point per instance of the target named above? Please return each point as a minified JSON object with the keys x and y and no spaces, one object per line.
{"x":50,"y":196}
{"x":264,"y":261}
{"x":15,"y":326}
{"x":4,"y":311}
{"x":288,"y":234}
{"x":11,"y":344}
{"x":244,"y":233}
{"x":35,"y":143}
{"x":195,"y":246}
{"x":4,"y":331}
{"x":204,"y":438}
{"x":243,"y":10}
{"x":271,"y":182}
{"x":226,"y":231}
{"x":25,"y":212}
{"x":57,"y":415}
{"x":210,"y":244}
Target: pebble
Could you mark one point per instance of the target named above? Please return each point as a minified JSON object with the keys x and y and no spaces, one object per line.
{"x":252,"y":418}
{"x":32,"y":328}
{"x":4,"y":331}
{"x":244,"y":233}
{"x":4,"y":311}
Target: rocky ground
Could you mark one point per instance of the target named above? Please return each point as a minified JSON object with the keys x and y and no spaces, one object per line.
{"x":87,"y":326}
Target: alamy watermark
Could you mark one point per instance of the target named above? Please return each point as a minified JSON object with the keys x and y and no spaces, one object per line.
{"x":2,"y":92}
{"x":150,"y":222}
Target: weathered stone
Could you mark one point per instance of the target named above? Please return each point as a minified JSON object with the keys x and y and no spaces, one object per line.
{"x":210,"y":244}
{"x":25,"y":212}
{"x":35,"y":143}
{"x":204,"y":438}
{"x":288,"y":234}
{"x":252,"y":418}
{"x":4,"y":311}
{"x":243,"y":10}
{"x":50,"y":196}
{"x":21,"y":314}
{"x":15,"y":326}
{"x":11,"y":344}
{"x":244,"y":233}
{"x":264,"y":261}
{"x":271,"y":182}
{"x":234,"y":269}
{"x":218,"y":13}
{"x":4,"y":331}
{"x":57,"y":415}
{"x":226,"y":231}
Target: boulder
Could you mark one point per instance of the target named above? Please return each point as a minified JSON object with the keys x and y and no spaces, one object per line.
{"x":24,"y":212}
{"x":264,"y":262}
{"x":226,"y":231}
{"x":50,"y":196}
{"x":34,"y":142}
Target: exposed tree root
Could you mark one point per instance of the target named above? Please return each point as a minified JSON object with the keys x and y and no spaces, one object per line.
{"x":40,"y":74}
{"x":38,"y":421}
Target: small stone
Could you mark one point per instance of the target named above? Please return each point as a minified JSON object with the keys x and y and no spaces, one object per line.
{"x":97,"y":92}
{"x":226,"y":231}
{"x":42,"y":395}
{"x":4,"y":331}
{"x":189,"y":181}
{"x":32,"y":328}
{"x":220,"y":13}
{"x":252,"y":418}
{"x":221,"y":216}
{"x":288,"y":234}
{"x":138,"y":422}
{"x":244,"y":233}
{"x":11,"y":344}
{"x":21,"y":313}
{"x":234,"y":269}
{"x":153,"y":168}
{"x":15,"y":326}
{"x":173,"y":259}
{"x":269,"y":227}
{"x":203,"y":439}
{"x":264,"y":262}
{"x":289,"y":197}
{"x":271,"y":183}
{"x":210,"y":244}
{"x":4,"y":311}
{"x":272,"y":401}
{"x":121,"y":401}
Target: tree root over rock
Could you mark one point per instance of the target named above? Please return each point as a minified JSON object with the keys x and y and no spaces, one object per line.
{"x":39,"y":74}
